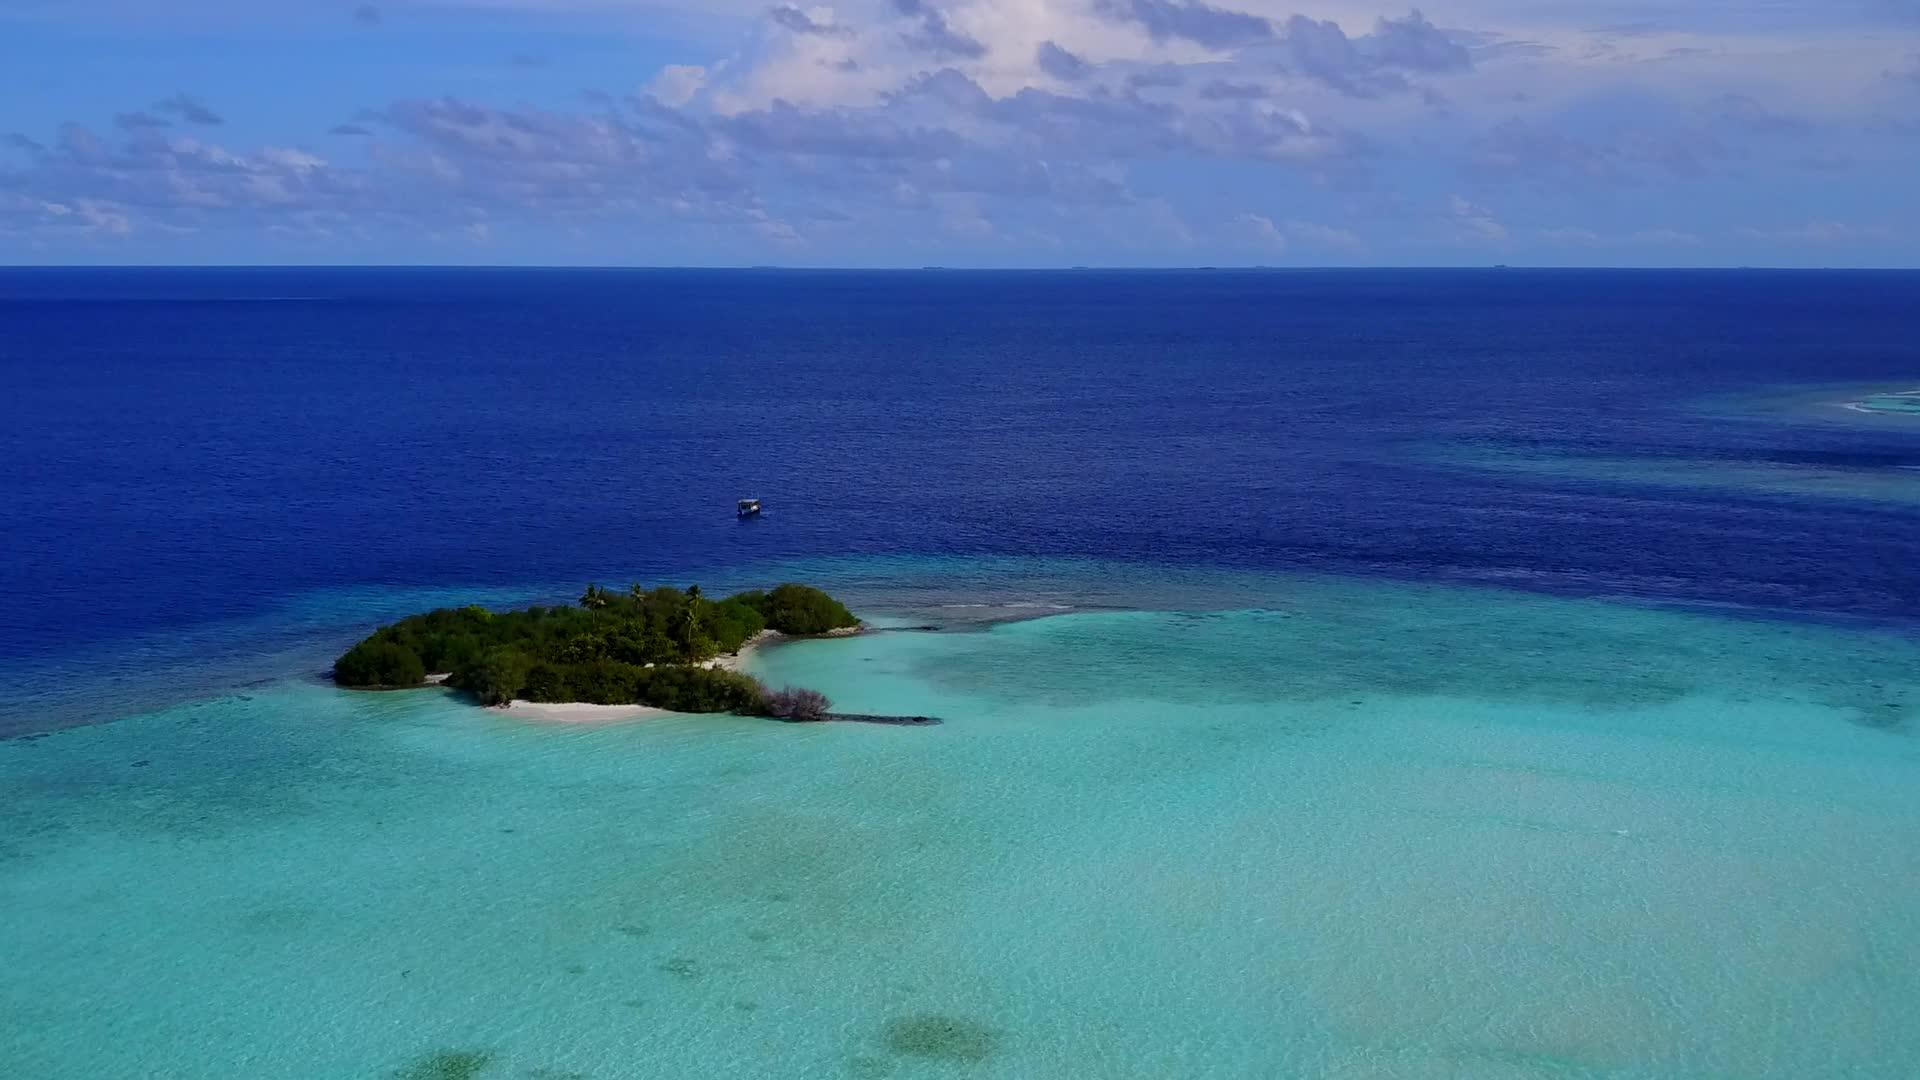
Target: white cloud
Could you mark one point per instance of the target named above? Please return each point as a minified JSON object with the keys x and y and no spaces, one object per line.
{"x":1282,"y":236}
{"x":294,"y":160}
{"x":1262,"y":231}
{"x":1820,"y":232}
{"x":676,"y":84}
{"x":1326,"y":237}
{"x":1475,"y":222}
{"x":1574,"y":236}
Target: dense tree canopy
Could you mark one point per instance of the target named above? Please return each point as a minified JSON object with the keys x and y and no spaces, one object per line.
{"x":800,"y":609}
{"x":638,"y":646}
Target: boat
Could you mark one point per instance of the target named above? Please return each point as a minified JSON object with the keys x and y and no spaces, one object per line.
{"x":749,"y":508}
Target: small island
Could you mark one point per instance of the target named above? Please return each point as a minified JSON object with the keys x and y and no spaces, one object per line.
{"x":654,"y":647}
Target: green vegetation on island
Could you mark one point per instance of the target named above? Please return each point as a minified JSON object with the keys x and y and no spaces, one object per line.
{"x":640,"y":647}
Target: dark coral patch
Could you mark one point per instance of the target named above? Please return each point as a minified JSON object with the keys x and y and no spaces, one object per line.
{"x":941,"y":1038}
{"x":447,"y":1065}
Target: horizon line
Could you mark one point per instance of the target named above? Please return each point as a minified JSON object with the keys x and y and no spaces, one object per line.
{"x":939,"y":268}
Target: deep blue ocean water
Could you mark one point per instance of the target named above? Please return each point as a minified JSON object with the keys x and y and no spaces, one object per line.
{"x":202,"y":448}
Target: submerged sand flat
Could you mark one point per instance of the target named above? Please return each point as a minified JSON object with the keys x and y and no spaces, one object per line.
{"x":1878,"y":406}
{"x":1355,"y":829}
{"x":1897,"y":483}
{"x":1897,"y":402}
{"x":1885,"y":472}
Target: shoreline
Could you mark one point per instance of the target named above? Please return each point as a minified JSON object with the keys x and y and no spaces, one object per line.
{"x":734,"y":661}
{"x":579,"y":712}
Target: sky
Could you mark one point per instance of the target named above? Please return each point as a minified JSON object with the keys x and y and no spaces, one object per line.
{"x":959,"y":133}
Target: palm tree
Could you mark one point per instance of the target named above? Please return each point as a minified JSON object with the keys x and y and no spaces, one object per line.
{"x":693,"y":612}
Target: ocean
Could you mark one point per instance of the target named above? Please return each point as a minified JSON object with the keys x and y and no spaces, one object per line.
{"x":1350,"y":673}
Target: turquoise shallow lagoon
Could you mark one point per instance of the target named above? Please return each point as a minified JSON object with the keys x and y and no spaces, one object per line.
{"x":1283,"y":827}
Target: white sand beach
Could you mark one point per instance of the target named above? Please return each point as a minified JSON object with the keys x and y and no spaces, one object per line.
{"x":576,"y":712}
